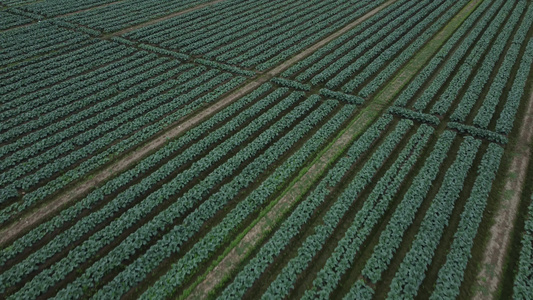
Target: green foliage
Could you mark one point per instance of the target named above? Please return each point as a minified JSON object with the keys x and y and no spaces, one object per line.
{"x":404,"y":215}
{"x":225,"y":67}
{"x":300,"y":215}
{"x":123,"y":180}
{"x":37,"y":39}
{"x":130,"y":217}
{"x":374,"y":208}
{"x":333,"y":50}
{"x":523,"y":285}
{"x":451,"y":274}
{"x":338,"y":70}
{"x":291,"y":84}
{"x":413,"y":268}
{"x":506,"y":121}
{"x":476,"y":86}
{"x":347,"y":98}
{"x":359,"y":291}
{"x":485,"y":13}
{"x":117,"y":15}
{"x":479,"y":133}
{"x":261,"y":35}
{"x":182,"y":96}
{"x":162,"y":51}
{"x":233,"y":220}
{"x":414,"y":115}
{"x":416,"y":38}
{"x":474,"y":57}
{"x":9,"y":20}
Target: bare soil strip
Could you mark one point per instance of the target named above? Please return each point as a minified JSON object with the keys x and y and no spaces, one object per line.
{"x":53,"y":207}
{"x":377,"y":105}
{"x":488,"y":279}
{"x":181,"y":12}
{"x":282,"y":207}
{"x":277,"y":70}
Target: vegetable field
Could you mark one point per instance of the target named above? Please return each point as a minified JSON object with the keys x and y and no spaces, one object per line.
{"x":229,"y":149}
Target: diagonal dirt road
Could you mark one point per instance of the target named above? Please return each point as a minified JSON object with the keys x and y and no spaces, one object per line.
{"x":52,"y":207}
{"x":489,"y":277}
{"x":377,"y":105}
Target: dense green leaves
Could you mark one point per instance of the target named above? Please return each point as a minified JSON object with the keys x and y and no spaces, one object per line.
{"x":374,"y":208}
{"x":403,"y":216}
{"x":415,"y":263}
{"x":479,"y":133}
{"x":301,"y":214}
{"x":451,"y":273}
{"x":219,"y":234}
{"x":291,"y":84}
{"x":476,"y":86}
{"x":452,"y":62}
{"x":476,"y":54}
{"x":347,"y":98}
{"x":414,"y":115}
{"x":506,"y":121}
{"x":523,"y":285}
{"x":260,"y":35}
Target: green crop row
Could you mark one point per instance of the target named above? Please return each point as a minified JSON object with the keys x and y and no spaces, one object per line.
{"x":451,"y":273}
{"x":374,"y":207}
{"x":216,"y":237}
{"x":482,"y":77}
{"x":334,"y":49}
{"x":342,"y":68}
{"x":487,"y":110}
{"x":129,"y":218}
{"x":472,"y":60}
{"x":416,"y":38}
{"x":523,"y":288}
{"x":301,"y":214}
{"x":413,"y":268}
{"x":123,"y":180}
{"x":405,"y":213}
{"x":487,"y":10}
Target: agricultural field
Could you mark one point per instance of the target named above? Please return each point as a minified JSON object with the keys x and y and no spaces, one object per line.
{"x":284,"y":149}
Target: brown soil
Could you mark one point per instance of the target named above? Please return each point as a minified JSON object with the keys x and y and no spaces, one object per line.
{"x":255,"y":235}
{"x":490,"y":275}
{"x":249,"y":241}
{"x":267,"y":222}
{"x":56,"y":205}
{"x":280,"y":68}
{"x":25,"y":223}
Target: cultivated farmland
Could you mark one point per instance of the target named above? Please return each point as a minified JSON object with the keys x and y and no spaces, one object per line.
{"x":228,"y":149}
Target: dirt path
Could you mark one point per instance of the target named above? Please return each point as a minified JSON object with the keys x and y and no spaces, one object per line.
{"x":488,"y":279}
{"x":377,"y":105}
{"x":52,"y":208}
{"x":278,"y":211}
{"x":27,"y":222}
{"x":181,"y":12}
{"x":277,"y":70}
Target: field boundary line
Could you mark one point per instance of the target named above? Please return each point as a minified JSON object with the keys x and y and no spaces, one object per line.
{"x":271,"y":215}
{"x":489,"y":277}
{"x":245,"y":243}
{"x":280,"y":68}
{"x":52,"y":207}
